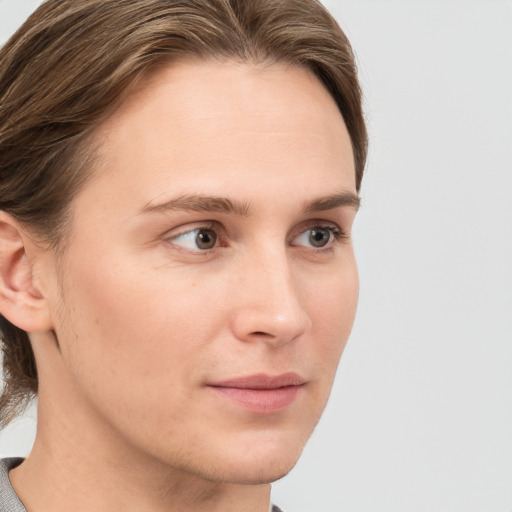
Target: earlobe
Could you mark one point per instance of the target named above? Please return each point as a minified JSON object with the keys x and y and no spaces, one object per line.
{"x":21,"y":302}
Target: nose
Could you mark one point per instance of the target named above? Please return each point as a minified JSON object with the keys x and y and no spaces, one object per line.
{"x":269,"y":301}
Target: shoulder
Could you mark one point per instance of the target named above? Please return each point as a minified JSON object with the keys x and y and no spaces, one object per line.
{"x":9,"y":501}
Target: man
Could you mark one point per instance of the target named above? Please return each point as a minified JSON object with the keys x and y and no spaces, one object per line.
{"x":179,"y":182}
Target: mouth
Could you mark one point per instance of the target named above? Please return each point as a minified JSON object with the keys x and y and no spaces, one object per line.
{"x":261,"y":393}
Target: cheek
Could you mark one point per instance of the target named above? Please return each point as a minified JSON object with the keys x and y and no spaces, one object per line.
{"x":140,"y":326}
{"x":132,"y":343}
{"x":333,"y":309}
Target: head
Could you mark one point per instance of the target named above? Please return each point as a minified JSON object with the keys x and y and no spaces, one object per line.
{"x":178,"y":182}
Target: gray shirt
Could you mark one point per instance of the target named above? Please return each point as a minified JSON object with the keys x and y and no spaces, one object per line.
{"x":9,"y":501}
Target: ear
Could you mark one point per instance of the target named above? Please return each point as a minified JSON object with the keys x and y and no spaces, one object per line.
{"x":20,"y":300}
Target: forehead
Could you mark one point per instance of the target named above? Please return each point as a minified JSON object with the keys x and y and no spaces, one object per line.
{"x":213,"y":122}
{"x":194,"y":87}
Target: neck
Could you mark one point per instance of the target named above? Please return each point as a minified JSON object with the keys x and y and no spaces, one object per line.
{"x":56,"y":478}
{"x":78,"y":462}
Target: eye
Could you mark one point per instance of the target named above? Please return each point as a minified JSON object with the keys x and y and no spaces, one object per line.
{"x":197,"y":239}
{"x":317,"y":237}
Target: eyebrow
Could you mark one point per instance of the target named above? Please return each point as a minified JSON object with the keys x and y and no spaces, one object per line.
{"x":348,"y":199}
{"x":201,"y":203}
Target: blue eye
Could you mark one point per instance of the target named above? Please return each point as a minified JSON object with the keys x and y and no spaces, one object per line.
{"x":197,"y":239}
{"x":317,"y":237}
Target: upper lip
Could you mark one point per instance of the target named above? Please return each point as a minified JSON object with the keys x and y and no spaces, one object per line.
{"x":262,"y":381}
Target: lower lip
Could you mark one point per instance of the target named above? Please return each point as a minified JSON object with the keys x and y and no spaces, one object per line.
{"x":262,"y":401}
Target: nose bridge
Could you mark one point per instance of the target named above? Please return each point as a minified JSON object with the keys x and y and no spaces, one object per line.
{"x":269,"y":303}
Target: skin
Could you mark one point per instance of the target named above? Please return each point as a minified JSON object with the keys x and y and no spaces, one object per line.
{"x":132,"y":325}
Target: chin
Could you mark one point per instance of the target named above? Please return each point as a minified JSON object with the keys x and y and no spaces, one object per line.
{"x":257,"y":473}
{"x":262,"y":463}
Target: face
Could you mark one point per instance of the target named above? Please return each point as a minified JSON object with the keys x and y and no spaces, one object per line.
{"x":209,"y":283}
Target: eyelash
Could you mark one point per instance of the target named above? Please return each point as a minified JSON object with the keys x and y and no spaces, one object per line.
{"x":337,"y":236}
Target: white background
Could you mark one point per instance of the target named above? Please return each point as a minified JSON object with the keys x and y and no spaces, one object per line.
{"x":420,"y":418}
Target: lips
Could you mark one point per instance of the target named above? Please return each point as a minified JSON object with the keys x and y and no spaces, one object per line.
{"x":261,"y":393}
{"x":263,"y":381}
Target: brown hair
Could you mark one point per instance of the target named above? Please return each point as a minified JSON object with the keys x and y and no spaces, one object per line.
{"x":73,"y":61}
